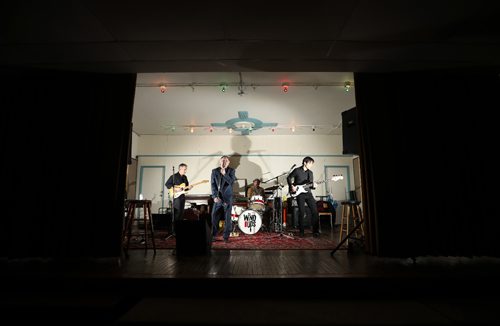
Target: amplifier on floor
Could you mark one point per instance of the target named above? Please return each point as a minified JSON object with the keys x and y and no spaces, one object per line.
{"x":193,"y":237}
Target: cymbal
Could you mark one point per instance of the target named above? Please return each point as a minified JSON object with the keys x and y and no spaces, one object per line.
{"x":272,"y":188}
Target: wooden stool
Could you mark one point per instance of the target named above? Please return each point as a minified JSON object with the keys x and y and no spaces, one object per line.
{"x":351,"y":214}
{"x":132,"y":204}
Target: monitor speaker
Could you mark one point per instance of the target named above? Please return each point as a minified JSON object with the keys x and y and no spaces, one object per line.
{"x":193,"y":237}
{"x":350,"y":132}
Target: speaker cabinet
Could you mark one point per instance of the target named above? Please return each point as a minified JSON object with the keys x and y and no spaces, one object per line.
{"x":162,"y":221}
{"x":193,"y":237}
{"x":350,"y":132}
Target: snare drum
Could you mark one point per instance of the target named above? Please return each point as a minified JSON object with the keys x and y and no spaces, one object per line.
{"x":250,"y":221}
{"x":257,"y":203}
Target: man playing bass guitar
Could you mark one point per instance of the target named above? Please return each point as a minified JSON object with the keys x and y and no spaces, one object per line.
{"x":297,"y":181}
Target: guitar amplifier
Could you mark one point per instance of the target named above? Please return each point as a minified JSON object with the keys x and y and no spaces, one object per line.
{"x":193,"y":237}
{"x":162,"y":221}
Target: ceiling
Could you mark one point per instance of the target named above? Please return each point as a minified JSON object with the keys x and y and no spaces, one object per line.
{"x":194,"y":103}
{"x":182,"y":43}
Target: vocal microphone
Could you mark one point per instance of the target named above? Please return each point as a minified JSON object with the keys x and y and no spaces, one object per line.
{"x":293,"y":166}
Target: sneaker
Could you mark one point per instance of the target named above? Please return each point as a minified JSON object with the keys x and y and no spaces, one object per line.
{"x":316,"y":234}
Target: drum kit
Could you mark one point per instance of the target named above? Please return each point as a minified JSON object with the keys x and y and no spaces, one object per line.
{"x":249,"y":219}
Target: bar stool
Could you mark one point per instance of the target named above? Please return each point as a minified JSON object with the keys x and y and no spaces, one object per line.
{"x":351,"y":214}
{"x":131,"y":205}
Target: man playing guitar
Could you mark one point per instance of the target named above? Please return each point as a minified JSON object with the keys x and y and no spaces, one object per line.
{"x":298,"y":177}
{"x":178,"y":183}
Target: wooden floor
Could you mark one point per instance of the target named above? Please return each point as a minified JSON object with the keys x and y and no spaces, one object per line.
{"x":292,"y":287}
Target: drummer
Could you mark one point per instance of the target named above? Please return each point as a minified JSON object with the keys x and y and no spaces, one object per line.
{"x":256,"y":190}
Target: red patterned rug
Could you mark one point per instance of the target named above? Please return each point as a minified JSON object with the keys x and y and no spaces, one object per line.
{"x":258,"y":241}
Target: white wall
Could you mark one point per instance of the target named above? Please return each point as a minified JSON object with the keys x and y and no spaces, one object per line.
{"x":135,"y":143}
{"x":262,"y":157}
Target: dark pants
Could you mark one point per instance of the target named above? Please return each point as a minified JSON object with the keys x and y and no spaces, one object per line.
{"x":311,"y":203}
{"x":179,"y":204}
{"x":222,"y":210}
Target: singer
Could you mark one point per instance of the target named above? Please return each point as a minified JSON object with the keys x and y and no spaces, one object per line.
{"x":222,"y":180}
{"x":302,"y":179}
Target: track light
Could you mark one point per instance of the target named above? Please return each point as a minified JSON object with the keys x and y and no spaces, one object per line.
{"x":347,"y":86}
{"x":223,"y":87}
{"x":163,"y":88}
{"x":284,"y":87}
{"x":191,"y":130}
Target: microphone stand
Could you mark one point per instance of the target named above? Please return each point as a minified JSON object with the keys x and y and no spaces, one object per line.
{"x":278,"y":211}
{"x":172,"y":204}
{"x":275,"y":178}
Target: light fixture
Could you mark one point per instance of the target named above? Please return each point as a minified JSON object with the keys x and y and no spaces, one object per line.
{"x":293,"y":128}
{"x":230,"y":130}
{"x":173,"y":128}
{"x":223,"y":87}
{"x":314,"y":128}
{"x":347,"y":86}
{"x":211,"y":129}
{"x":163,"y":88}
{"x":284,"y":87}
{"x":191,"y":130}
{"x":243,"y":123}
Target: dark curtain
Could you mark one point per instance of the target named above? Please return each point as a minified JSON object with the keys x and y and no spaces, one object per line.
{"x":65,"y":142}
{"x":429,"y":142}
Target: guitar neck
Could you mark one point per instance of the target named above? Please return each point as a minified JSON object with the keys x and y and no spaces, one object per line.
{"x":311,"y":183}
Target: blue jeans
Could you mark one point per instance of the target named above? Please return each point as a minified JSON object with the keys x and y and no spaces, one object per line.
{"x":216,"y":215}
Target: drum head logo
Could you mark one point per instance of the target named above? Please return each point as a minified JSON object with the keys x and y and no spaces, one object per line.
{"x":249,"y":222}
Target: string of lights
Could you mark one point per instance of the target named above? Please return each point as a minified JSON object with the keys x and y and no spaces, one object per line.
{"x":171,"y":128}
{"x":240,"y":86}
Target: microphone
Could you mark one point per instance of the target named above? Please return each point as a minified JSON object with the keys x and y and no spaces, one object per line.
{"x":293,"y":166}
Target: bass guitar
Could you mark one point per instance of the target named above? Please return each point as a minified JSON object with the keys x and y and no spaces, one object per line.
{"x":182,"y":186}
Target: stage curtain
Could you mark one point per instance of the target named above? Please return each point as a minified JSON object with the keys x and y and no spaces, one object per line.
{"x":428,"y":156}
{"x":65,"y":147}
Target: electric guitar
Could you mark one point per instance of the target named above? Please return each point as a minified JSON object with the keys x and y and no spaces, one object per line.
{"x":182,"y":186}
{"x":305,"y":187}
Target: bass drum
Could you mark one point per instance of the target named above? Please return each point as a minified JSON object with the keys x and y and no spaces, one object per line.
{"x":250,"y":221}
